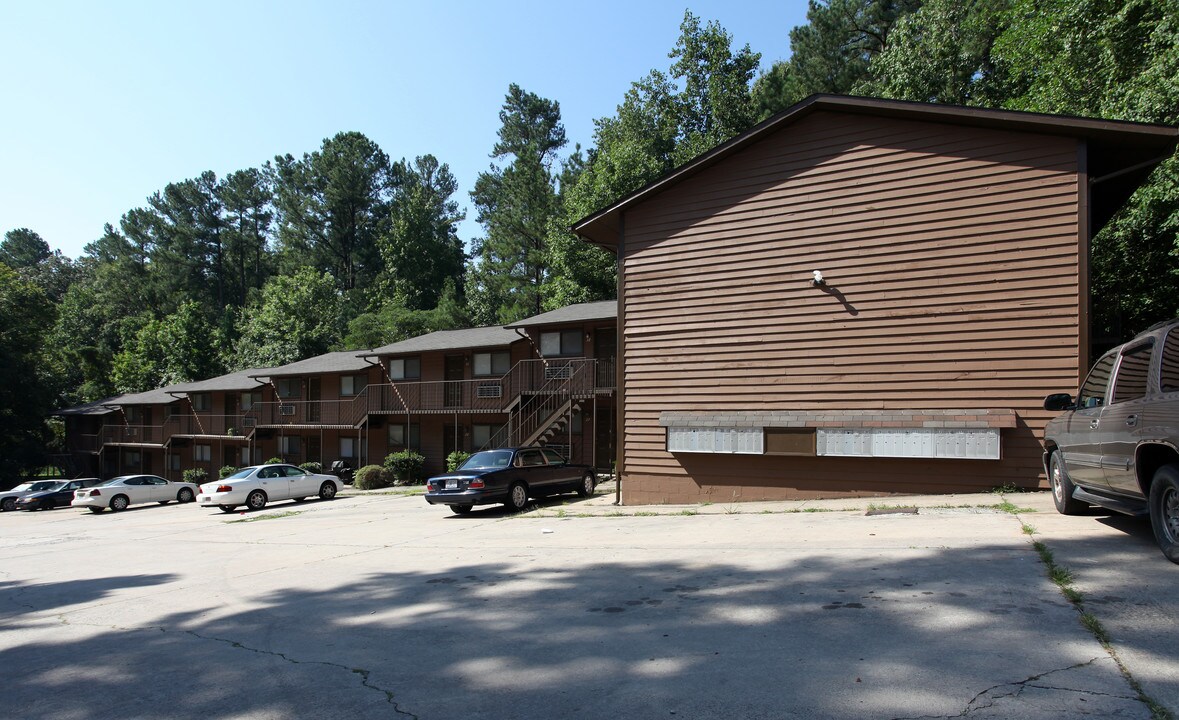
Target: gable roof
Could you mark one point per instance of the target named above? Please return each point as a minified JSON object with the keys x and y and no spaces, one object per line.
{"x":1120,"y":154}
{"x":334,"y":362}
{"x":240,"y":380}
{"x":96,"y":407}
{"x":581,"y":312}
{"x":493,"y":336}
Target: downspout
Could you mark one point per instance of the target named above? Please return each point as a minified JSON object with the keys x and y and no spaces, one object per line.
{"x":619,"y":361}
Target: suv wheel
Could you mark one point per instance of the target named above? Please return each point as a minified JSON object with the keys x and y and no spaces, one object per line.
{"x":1062,"y":487}
{"x":1164,"y":510}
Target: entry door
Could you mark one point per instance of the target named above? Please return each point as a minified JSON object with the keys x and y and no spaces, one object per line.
{"x":605,"y":352}
{"x":313,"y":400}
{"x":454,"y":390}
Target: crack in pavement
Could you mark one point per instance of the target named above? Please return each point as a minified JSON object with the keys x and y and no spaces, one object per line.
{"x":364,"y":674}
{"x":989,"y":697}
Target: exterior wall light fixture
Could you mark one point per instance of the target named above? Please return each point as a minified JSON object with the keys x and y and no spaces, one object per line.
{"x":818,"y":280}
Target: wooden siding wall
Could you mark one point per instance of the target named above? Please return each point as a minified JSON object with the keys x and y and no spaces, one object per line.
{"x":951,"y":257}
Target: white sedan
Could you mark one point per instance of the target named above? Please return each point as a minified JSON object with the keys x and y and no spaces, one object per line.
{"x":117,"y":493}
{"x":257,"y":485}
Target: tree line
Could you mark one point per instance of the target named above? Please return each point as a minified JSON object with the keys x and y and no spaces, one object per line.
{"x":344,"y":248}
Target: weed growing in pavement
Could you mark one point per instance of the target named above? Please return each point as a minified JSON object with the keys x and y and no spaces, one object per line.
{"x":688,"y":511}
{"x":1062,"y":577}
{"x":271,"y":516}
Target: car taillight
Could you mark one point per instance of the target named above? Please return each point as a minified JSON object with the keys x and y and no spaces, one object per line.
{"x":475,"y":485}
{"x":429,"y":485}
{"x":224,"y":488}
{"x":95,"y":493}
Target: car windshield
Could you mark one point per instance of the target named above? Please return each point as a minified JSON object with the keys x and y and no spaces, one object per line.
{"x":22,"y":487}
{"x":59,"y":485}
{"x":44,"y":485}
{"x":243,"y":473}
{"x":488,"y":459}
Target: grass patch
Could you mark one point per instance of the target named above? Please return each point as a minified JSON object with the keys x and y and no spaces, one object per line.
{"x":270,"y":516}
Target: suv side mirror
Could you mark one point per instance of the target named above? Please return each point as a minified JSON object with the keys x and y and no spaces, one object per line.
{"x":1058,"y":402}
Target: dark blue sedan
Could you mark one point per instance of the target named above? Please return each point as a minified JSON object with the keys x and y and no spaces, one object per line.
{"x":59,"y":495}
{"x":509,"y":476}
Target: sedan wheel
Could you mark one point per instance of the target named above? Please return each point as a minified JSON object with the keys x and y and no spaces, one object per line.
{"x":185,"y":495}
{"x":256,"y":500}
{"x":327,"y":491}
{"x":517,"y":497}
{"x":227,"y":508}
{"x":119,"y":503}
{"x":460,"y":509}
{"x":95,"y":510}
{"x":587,"y":485}
{"x":8,"y":504}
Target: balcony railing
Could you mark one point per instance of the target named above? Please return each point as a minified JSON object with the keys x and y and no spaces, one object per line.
{"x":202,"y":424}
{"x":132,"y":435}
{"x":348,"y":412}
{"x":496,"y":394}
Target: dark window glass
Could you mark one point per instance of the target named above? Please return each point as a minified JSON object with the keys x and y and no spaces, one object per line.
{"x":1130,"y":383}
{"x":1093,"y":391}
{"x":1169,"y":379}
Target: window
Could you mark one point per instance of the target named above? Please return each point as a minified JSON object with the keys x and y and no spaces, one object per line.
{"x":529,"y":458}
{"x":497,"y":363}
{"x":202,"y":453}
{"x":201,"y":402}
{"x":552,"y":456}
{"x":397,"y":437}
{"x":1130,"y":383}
{"x":132,"y":414}
{"x":1093,"y":391}
{"x":481,"y":435}
{"x":348,"y":448}
{"x":131,"y":459}
{"x":351,"y":385}
{"x":288,"y":388}
{"x":1169,"y":381}
{"x":245,"y":456}
{"x":567,"y":342}
{"x":174,"y":461}
{"x":250,"y":399}
{"x":289,"y":445}
{"x":405,"y":368}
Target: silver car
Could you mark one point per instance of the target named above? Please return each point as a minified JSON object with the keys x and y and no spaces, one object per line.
{"x":1116,"y":444}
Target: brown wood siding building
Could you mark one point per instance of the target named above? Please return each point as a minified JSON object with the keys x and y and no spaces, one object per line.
{"x":955,"y":262}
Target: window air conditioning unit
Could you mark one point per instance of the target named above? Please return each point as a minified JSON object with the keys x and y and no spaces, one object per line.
{"x":489,"y":391}
{"x":558,"y":373}
{"x":286,"y":409}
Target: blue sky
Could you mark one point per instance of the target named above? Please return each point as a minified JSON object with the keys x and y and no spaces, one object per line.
{"x":105,"y":103}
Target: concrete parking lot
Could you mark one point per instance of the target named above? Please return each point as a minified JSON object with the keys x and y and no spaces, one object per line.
{"x":378,"y":606}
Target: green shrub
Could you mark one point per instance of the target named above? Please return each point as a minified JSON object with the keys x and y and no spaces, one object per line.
{"x":226,"y":471}
{"x":456,"y":458}
{"x":406,"y":466}
{"x":196,"y":475}
{"x":274,"y":461}
{"x":312,"y":467}
{"x":372,"y":477}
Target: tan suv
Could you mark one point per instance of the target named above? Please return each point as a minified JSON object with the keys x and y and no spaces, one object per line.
{"x":1117,"y":443}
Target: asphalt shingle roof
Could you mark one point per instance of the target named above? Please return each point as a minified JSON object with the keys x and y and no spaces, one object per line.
{"x":495,"y":336}
{"x":581,"y":312}
{"x":333,"y":362}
